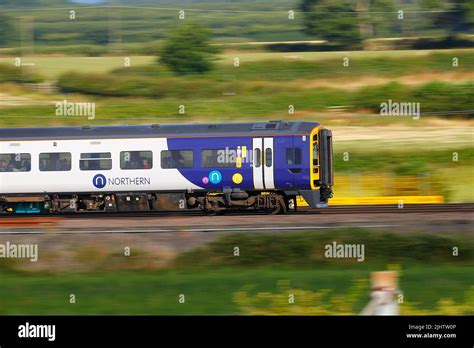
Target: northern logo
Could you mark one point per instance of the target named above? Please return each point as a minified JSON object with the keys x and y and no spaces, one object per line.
{"x":215,"y":177}
{"x":99,"y":181}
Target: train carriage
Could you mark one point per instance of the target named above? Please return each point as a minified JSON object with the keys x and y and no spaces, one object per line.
{"x":210,"y":167}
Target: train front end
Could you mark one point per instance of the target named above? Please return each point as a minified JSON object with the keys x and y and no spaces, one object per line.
{"x":321,"y":169}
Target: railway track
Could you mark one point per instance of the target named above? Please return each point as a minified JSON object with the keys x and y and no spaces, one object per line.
{"x":408,"y":208}
{"x":45,"y":220}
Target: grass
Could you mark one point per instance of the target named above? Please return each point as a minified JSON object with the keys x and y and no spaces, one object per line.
{"x":206,"y":291}
{"x":207,"y":102}
{"x":307,"y":249}
{"x":396,"y":160}
{"x":289,"y":65}
{"x":326,"y":56}
{"x":210,"y":276}
{"x":52,"y":67}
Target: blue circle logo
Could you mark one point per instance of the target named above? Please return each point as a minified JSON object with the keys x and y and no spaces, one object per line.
{"x":215,"y":177}
{"x":99,"y":181}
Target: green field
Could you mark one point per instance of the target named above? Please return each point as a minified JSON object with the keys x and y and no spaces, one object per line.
{"x":263,"y":88}
{"x":209,"y":292}
{"x":396,"y":62}
{"x":270,"y":266}
{"x":52,"y":67}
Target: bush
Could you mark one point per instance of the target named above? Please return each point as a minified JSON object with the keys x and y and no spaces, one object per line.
{"x":433,"y":97}
{"x":443,"y":43}
{"x":306,"y":249}
{"x":9,"y":73}
{"x":6,"y":30}
{"x":105,"y":85}
{"x":188,"y":50}
{"x":322,"y":19}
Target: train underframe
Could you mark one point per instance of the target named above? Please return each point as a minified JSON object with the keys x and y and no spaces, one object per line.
{"x":272,"y":202}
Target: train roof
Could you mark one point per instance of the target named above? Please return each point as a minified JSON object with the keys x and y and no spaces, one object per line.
{"x":158,"y":130}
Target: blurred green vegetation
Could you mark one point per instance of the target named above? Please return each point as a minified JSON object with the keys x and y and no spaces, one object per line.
{"x":325,"y":302}
{"x":25,"y":75}
{"x":256,"y":78}
{"x":257,"y":65}
{"x":211,"y":292}
{"x":112,"y":30}
{"x":278,"y":67}
{"x":188,"y":50}
{"x":211,"y":277}
{"x":307,"y":249}
{"x":433,"y":97}
{"x":334,"y":20}
{"x":112,"y":27}
{"x":396,"y":161}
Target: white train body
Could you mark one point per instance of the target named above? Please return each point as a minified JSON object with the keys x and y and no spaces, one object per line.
{"x":77,"y":181}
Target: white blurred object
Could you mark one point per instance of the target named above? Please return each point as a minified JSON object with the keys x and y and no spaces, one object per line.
{"x":384,"y":294}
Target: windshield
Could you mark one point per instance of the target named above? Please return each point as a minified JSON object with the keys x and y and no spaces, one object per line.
{"x":315,"y":154}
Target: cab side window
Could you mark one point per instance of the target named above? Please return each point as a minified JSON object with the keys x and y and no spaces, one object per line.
{"x":293,"y":156}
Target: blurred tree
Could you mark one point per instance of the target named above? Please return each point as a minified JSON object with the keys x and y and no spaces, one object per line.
{"x":333,"y":20}
{"x":18,"y":3}
{"x":6,"y":30}
{"x":459,"y":17}
{"x":97,"y":35}
{"x":383,"y":18}
{"x":188,"y":50}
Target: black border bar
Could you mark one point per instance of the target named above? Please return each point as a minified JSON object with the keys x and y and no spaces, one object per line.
{"x":194,"y":330}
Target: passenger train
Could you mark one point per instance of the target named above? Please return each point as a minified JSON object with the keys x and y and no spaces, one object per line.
{"x":214,"y":168}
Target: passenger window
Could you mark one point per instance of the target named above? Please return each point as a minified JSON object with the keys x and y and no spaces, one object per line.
{"x":177,"y":159}
{"x":15,"y":162}
{"x":293,"y":156}
{"x":268,"y":157}
{"x":55,"y":162}
{"x":218,"y":158}
{"x":136,"y":160}
{"x":96,"y":161}
{"x":257,"y":158}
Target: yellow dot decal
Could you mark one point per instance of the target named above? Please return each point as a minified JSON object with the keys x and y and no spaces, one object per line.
{"x":237,"y":178}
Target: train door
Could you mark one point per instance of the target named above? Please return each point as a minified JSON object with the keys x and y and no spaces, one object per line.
{"x":263,"y":164}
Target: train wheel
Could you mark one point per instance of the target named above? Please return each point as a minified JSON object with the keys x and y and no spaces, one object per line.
{"x":281,"y":207}
{"x":276,"y":210}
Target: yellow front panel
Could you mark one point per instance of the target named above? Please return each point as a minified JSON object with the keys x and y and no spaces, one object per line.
{"x":313,"y":176}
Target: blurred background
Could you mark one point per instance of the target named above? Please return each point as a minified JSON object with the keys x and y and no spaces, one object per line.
{"x":334,"y":62}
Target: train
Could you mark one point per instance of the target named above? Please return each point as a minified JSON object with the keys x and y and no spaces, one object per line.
{"x":213,"y":168}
